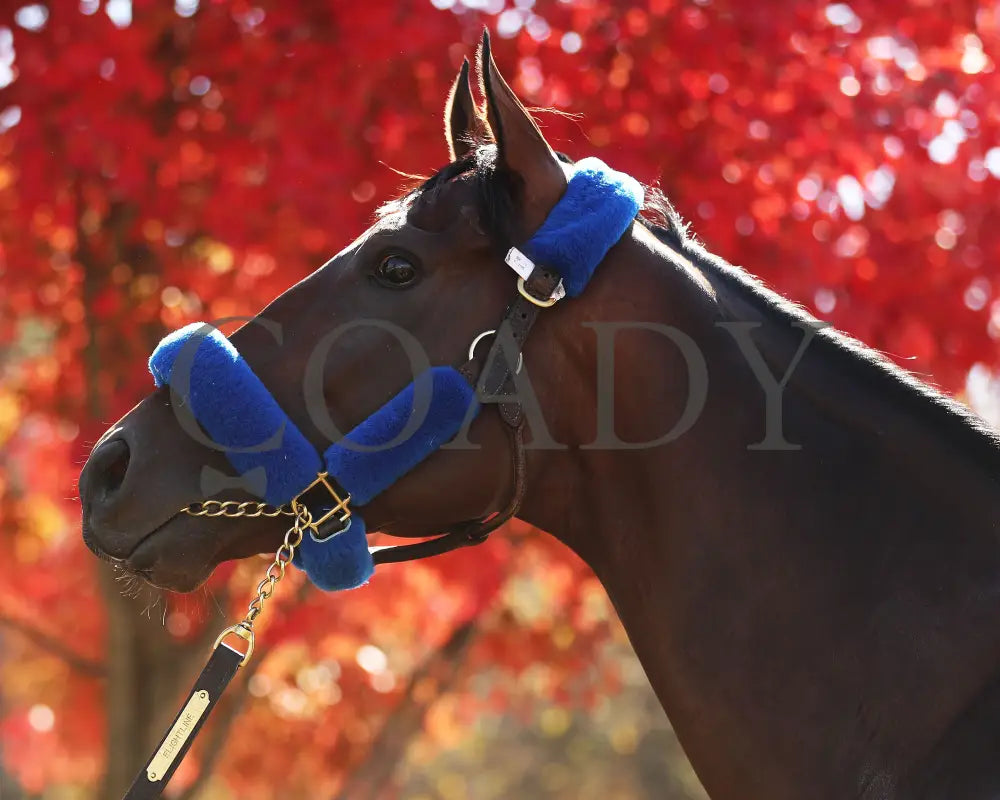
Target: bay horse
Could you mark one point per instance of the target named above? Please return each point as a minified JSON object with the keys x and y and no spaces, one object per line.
{"x":808,"y":568}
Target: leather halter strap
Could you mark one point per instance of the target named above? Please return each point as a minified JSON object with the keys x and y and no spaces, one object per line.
{"x":494,"y":379}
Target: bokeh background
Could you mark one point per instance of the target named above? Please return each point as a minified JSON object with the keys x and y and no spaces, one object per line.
{"x":169,"y":160}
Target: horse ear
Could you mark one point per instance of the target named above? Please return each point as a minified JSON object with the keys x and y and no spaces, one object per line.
{"x":461,"y":121}
{"x":521,"y":148}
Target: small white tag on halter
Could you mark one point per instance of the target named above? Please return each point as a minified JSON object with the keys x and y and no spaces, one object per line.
{"x":519,"y":262}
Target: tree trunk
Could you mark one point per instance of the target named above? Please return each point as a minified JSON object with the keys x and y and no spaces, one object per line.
{"x":146,"y":672}
{"x":431,"y":680}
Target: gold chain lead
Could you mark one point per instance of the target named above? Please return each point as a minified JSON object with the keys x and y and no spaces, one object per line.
{"x":233,"y":509}
{"x":275,"y":570}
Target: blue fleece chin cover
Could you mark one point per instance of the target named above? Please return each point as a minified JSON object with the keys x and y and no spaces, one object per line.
{"x":595,"y":210}
{"x":340,"y":562}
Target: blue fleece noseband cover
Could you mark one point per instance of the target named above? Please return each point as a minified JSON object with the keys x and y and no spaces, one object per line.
{"x":227,"y":401}
{"x":235,"y":409}
{"x":241,"y":417}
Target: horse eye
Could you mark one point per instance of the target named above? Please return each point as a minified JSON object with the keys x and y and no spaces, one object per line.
{"x":396,"y":271}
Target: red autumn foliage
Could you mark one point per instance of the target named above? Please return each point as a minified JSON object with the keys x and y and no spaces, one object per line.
{"x":161,"y":164}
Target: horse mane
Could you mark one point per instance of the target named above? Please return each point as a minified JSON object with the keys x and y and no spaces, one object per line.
{"x":950,"y":418}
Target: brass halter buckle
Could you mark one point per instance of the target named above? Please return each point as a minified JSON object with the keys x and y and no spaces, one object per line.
{"x":556,"y":296}
{"x":341,"y":505}
{"x":524,"y":266}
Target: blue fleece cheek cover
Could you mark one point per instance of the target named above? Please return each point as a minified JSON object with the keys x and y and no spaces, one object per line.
{"x":241,"y":417}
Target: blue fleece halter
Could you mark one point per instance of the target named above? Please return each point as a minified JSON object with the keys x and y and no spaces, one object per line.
{"x":241,"y":416}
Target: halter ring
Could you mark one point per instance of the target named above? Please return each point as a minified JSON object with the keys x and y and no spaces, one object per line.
{"x":483,"y":335}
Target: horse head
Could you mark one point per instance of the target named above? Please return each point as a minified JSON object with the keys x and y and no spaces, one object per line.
{"x":417,"y":288}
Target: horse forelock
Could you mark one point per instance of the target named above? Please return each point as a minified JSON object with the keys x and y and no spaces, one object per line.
{"x":495,"y":200}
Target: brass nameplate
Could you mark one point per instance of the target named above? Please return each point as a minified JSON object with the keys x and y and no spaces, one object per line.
{"x":177,"y":736}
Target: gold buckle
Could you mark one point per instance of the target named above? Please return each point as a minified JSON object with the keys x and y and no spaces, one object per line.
{"x":341,"y":507}
{"x":532,"y":299}
{"x":245,"y":632}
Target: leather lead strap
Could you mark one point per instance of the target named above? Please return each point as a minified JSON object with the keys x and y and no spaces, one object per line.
{"x":215,"y":677}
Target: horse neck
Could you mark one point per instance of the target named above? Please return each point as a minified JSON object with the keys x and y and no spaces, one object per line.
{"x":764,"y":592}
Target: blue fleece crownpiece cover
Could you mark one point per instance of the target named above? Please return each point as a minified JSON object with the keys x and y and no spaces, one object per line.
{"x":595,"y":210}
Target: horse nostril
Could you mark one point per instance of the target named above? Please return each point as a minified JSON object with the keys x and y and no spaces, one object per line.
{"x":111,"y":459}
